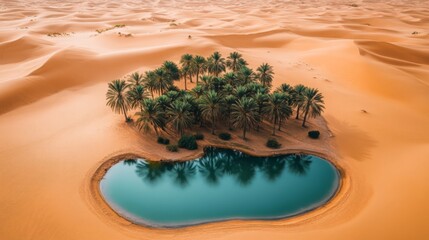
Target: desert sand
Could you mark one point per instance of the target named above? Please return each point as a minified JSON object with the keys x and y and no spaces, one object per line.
{"x":369,"y":58}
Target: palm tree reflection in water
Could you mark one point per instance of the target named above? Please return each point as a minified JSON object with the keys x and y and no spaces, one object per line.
{"x":217,"y":163}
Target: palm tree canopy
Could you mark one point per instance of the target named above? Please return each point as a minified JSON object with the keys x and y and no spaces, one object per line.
{"x":180,"y":115}
{"x":199,"y":63}
{"x":136,"y":95}
{"x":116,"y":96}
{"x":298,"y":96}
{"x":235,"y":61}
{"x":151,"y":115}
{"x":163,"y":101}
{"x":171,"y":70}
{"x":230,"y":78}
{"x":136,"y":79}
{"x":265,"y":74}
{"x":210,"y":105}
{"x":245,"y":75}
{"x":244,"y":113}
{"x":163,"y":81}
{"x":277,"y":107}
{"x":186,"y":60}
{"x":286,"y":88}
{"x":216,"y":64}
{"x":313,"y":101}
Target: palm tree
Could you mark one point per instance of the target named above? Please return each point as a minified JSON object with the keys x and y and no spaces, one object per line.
{"x":229,"y":100}
{"x":244,"y":114}
{"x":171,"y":70}
{"x":150,"y":82}
{"x":162,"y":80}
{"x":197,"y":91}
{"x":187,"y":61}
{"x":206,"y":82}
{"x":136,"y":79}
{"x":116,"y":97}
{"x":241,"y":91}
{"x":163,"y":102}
{"x":185,"y":71}
{"x":261,"y":100}
{"x":180,"y":115}
{"x":199,"y":65}
{"x":136,"y":95}
{"x":245,"y":75}
{"x":210,"y":105}
{"x":230,"y":78}
{"x":265,"y":74}
{"x":151,"y":115}
{"x":235,"y":61}
{"x":277,"y":108}
{"x":312,"y":104}
{"x":299,"y":98}
{"x":285,"y":88}
{"x":216,"y":64}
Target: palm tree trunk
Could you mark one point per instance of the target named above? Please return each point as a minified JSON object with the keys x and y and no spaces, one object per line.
{"x":151,"y":93}
{"x":125,"y":113}
{"x":198,"y":73}
{"x":297,"y":113}
{"x":229,"y":120}
{"x":184,"y":77}
{"x":213,"y":124}
{"x":190,"y":77}
{"x":274,"y":127}
{"x":244,"y":132}
{"x":156,"y":131}
{"x":305,"y":117}
{"x":280,"y":123}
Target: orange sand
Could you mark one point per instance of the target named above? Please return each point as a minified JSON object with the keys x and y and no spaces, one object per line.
{"x":55,"y":129}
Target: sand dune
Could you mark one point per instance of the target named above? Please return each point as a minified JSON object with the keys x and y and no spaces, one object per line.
{"x":369,"y":58}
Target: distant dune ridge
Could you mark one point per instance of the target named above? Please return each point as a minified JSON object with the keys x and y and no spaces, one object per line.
{"x":370,"y":59}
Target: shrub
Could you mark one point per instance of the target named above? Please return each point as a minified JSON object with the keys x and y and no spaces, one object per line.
{"x":172,"y":148}
{"x":273,"y":143}
{"x":224,"y":136}
{"x":188,"y":141}
{"x":314,"y":134}
{"x":162,"y":140}
{"x":199,"y":136}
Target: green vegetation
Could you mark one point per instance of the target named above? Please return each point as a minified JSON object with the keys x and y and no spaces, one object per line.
{"x":273,"y":143}
{"x":57,"y":34}
{"x":162,"y":140}
{"x":110,"y":28}
{"x":314,"y":134}
{"x":226,"y":92}
{"x":224,"y":136}
{"x":172,"y":148}
{"x":188,"y":141}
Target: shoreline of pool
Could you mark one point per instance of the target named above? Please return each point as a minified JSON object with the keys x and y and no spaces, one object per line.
{"x":105,"y":211}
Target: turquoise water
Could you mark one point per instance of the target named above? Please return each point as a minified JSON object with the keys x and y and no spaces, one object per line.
{"x":222,"y":185}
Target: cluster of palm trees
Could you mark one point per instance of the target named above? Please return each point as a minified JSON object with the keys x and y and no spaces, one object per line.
{"x":226,"y":91}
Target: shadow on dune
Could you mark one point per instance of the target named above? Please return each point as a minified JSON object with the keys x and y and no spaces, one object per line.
{"x":352,"y":141}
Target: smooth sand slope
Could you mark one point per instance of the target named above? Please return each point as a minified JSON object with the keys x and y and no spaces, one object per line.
{"x":55,"y":128}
